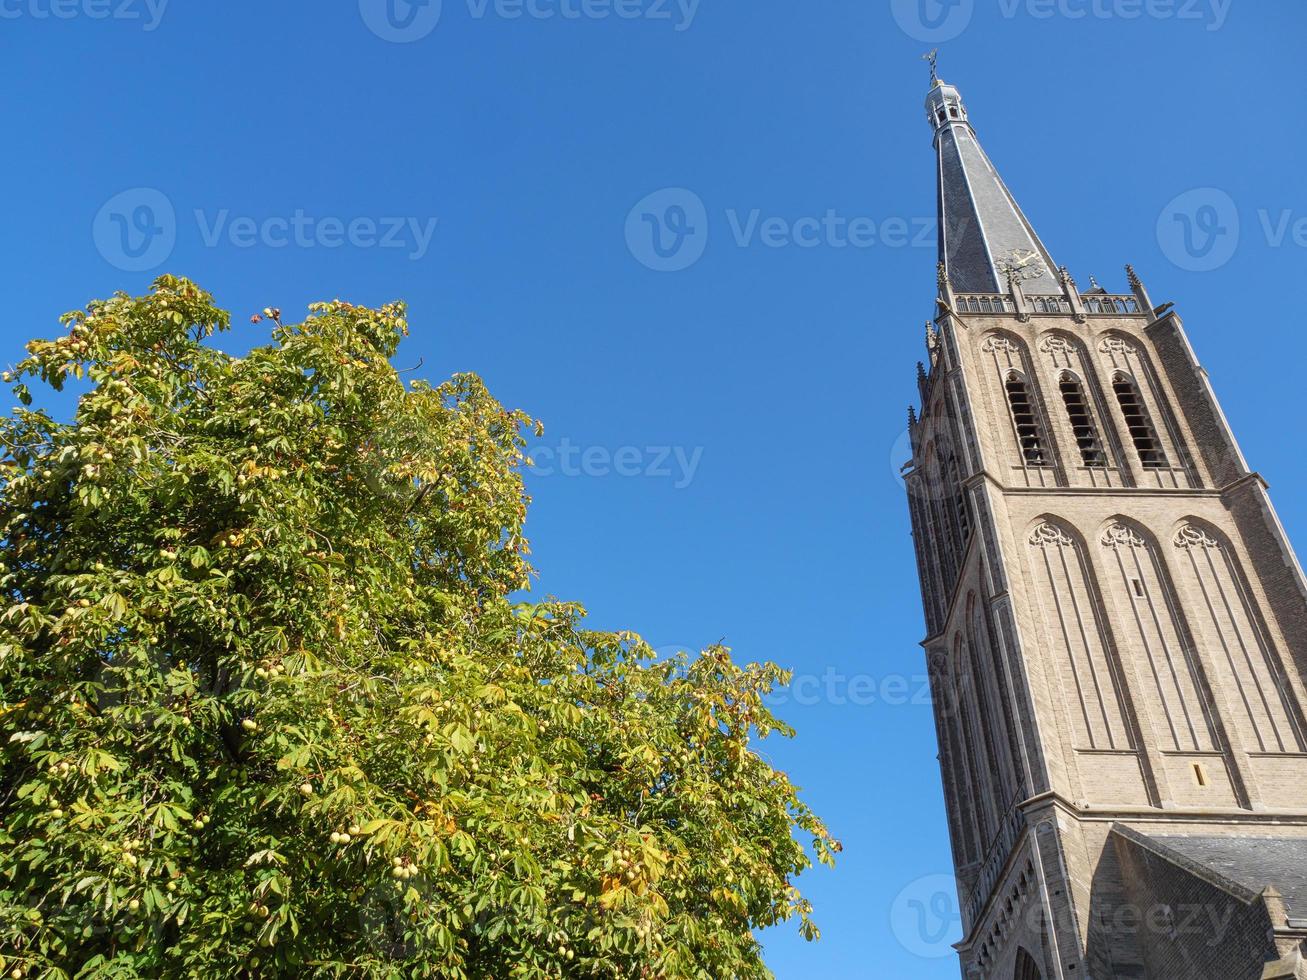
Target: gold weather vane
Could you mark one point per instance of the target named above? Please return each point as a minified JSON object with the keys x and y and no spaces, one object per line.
{"x":932,"y":57}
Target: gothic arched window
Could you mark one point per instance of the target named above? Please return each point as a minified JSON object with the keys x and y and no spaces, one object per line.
{"x":1138,"y":422}
{"x":1029,"y":436}
{"x":1082,"y":421}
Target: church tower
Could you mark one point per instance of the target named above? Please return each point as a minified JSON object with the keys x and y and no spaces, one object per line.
{"x":1116,"y":623}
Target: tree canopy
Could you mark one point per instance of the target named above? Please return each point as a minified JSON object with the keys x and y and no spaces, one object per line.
{"x":272,"y":702}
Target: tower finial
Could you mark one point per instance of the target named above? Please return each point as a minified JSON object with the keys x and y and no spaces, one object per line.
{"x":932,"y":56}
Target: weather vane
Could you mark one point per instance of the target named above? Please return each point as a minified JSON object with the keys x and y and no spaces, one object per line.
{"x":932,"y":57}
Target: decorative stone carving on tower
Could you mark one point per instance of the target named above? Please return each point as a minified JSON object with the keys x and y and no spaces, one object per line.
{"x":1115,"y":619}
{"x":1046,"y":534}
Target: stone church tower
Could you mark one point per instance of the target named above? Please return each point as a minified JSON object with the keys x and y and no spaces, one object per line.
{"x":1117,"y":624}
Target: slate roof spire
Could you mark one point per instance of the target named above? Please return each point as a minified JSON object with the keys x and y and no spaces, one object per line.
{"x":984,"y":239}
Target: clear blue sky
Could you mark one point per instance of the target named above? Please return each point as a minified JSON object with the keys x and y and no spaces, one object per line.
{"x":780,"y":375}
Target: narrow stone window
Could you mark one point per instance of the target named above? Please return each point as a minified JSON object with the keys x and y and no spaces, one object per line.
{"x":960,"y":499}
{"x":1082,"y":422}
{"x":1142,"y":433}
{"x":1027,"y":424}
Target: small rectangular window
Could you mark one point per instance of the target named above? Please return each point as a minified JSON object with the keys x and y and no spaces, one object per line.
{"x":1138,"y":587}
{"x":1200,"y":774}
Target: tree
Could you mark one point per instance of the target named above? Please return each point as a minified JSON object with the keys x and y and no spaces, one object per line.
{"x":272,"y":706}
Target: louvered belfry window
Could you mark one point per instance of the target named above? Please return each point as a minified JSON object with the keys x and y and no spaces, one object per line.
{"x":1029,"y":435}
{"x":1140,"y":426}
{"x":1082,"y":422}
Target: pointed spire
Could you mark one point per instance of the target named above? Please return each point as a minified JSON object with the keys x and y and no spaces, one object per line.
{"x":984,"y":238}
{"x":1134,"y":279}
{"x":932,"y":338}
{"x":912,"y":417}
